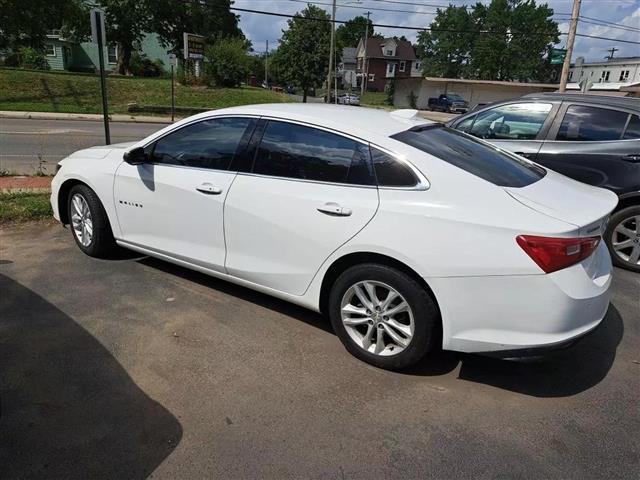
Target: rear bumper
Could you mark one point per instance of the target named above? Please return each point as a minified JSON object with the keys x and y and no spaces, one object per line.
{"x":524,"y":312}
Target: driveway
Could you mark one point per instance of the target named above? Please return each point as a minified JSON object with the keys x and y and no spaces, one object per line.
{"x":129,"y":367}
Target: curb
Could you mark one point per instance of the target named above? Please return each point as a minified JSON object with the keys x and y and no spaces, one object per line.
{"x":84,"y":116}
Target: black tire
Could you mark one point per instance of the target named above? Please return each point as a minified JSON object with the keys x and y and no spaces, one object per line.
{"x":102,"y":243}
{"x":614,"y":221}
{"x":427,"y":323}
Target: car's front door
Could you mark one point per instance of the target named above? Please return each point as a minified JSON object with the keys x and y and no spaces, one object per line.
{"x":516,"y":127}
{"x":308,"y":192}
{"x":174,"y":203}
{"x":595,"y":145}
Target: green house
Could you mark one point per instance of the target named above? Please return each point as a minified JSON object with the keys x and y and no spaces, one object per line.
{"x":63,"y":54}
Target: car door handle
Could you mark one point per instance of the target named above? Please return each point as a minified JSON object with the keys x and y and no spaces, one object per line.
{"x":524,"y":154}
{"x":209,"y":189}
{"x":331,"y":208}
{"x":634,"y":157}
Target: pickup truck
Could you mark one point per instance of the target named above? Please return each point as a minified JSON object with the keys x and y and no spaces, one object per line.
{"x":450,"y":102}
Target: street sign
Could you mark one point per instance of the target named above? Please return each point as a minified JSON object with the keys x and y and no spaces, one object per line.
{"x":193,"y":46}
{"x":173,"y":60}
{"x":557,"y":56}
{"x":97,"y":25}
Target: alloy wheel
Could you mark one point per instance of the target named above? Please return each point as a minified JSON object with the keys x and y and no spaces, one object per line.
{"x":377,"y":318}
{"x":81,"y":220}
{"x":626,"y":240}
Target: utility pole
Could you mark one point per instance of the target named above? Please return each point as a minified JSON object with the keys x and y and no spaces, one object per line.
{"x":331,"y":50}
{"x":613,"y":50}
{"x":266,"y":63}
{"x":363,"y":73}
{"x":573,"y":25}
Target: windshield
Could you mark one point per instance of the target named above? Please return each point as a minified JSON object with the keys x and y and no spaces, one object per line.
{"x":468,"y":153}
{"x":454,"y":96}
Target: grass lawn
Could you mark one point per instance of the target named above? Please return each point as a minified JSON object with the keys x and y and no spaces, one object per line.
{"x":28,"y":90}
{"x":20,"y":207}
{"x":375,"y":99}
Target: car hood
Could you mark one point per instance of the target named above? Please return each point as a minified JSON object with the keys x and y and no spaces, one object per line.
{"x":565,"y":199}
{"x":101,"y":151}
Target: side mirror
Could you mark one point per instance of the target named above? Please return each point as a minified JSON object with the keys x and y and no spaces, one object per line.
{"x":137,"y":156}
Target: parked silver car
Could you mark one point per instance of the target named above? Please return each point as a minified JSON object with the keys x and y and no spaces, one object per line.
{"x":349,"y":99}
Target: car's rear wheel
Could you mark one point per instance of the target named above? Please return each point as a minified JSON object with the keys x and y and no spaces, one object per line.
{"x":383,"y":316}
{"x":623,"y":238}
{"x":89,"y":223}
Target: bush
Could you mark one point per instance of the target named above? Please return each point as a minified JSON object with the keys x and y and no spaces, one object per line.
{"x":141,"y":66}
{"x":32,"y":59}
{"x":413,"y":100}
{"x":390,"y":90}
{"x":227,"y":62}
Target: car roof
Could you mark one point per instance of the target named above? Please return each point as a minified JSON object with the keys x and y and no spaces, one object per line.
{"x":607,"y":100}
{"x":360,"y":122}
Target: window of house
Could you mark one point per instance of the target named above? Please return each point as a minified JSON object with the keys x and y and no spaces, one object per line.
{"x":403,"y":65}
{"x":49,"y":50}
{"x":570,"y":74}
{"x":372,"y":77}
{"x":515,"y":121}
{"x":473,"y":156}
{"x":296,"y":151}
{"x":624,"y":75}
{"x":391,"y":172}
{"x":207,"y":144}
{"x":604,"y":76}
{"x":360,"y":63}
{"x":418,"y":65}
{"x":112,"y":54}
{"x":391,"y":69}
{"x":591,"y":124}
{"x":633,"y":128}
{"x":388,"y":53}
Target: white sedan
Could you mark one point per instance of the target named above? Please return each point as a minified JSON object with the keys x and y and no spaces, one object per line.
{"x":407,"y":234}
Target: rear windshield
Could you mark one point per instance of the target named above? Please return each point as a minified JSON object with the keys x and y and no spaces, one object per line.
{"x":467,"y":153}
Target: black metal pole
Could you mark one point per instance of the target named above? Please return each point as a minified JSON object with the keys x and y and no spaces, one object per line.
{"x":103,"y":80}
{"x":173,"y":98}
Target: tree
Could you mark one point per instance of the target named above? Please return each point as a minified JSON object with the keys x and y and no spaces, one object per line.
{"x":170,"y":19}
{"x":228,"y":62}
{"x":514,"y":43}
{"x":27,"y":25}
{"x":126,"y":21}
{"x":350,"y":33}
{"x":303,"y":54}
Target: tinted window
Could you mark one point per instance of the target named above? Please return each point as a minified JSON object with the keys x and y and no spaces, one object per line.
{"x":591,"y":124}
{"x":207,"y":144}
{"x":633,"y":128}
{"x":465,"y":124}
{"x":390,"y":172}
{"x":295,"y":151}
{"x":517,"y":121}
{"x":471,"y":155}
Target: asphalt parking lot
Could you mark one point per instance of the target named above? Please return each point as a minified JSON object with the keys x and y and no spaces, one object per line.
{"x":132,"y":367}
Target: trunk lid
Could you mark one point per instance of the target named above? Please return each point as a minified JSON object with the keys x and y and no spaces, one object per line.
{"x":565,"y":199}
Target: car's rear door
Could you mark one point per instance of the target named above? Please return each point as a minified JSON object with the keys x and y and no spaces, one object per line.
{"x":173,"y":204}
{"x":518,"y":127}
{"x":307,"y":192}
{"x":598,"y":145}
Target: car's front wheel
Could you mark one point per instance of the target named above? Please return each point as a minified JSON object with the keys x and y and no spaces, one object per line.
{"x":383,"y":316}
{"x":623,"y":238}
{"x":89,"y":222}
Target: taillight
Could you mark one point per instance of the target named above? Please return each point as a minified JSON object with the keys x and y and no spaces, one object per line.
{"x":553,"y":254}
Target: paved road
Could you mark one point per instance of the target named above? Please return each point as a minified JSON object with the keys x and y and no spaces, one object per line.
{"x":127,"y":367}
{"x":25,"y":142}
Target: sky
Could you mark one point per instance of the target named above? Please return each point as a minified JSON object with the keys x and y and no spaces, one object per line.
{"x":420,"y":13}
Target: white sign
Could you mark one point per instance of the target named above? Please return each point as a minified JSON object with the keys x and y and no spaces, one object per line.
{"x":97,"y":20}
{"x":193,"y":46}
{"x":173,"y":59}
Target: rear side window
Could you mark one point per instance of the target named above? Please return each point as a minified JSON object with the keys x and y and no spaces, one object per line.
{"x":473,"y":156}
{"x":207,"y":144}
{"x":516,"y":121}
{"x":633,"y":128}
{"x":591,"y":124}
{"x":307,"y":153}
{"x":391,"y":172}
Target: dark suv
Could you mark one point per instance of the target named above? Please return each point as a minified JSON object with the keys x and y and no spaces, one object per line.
{"x":593,"y":139}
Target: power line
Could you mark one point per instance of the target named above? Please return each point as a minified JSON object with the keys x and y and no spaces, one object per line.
{"x":378,"y":9}
{"x":405,"y":27}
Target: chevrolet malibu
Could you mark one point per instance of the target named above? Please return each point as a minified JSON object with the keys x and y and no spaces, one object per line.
{"x":407,"y":234}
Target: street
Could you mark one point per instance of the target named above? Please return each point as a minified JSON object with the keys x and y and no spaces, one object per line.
{"x":133,"y":367}
{"x":24,"y":143}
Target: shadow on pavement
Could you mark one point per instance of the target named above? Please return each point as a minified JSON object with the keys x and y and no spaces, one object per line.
{"x":68,"y":408}
{"x":559,"y":373}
